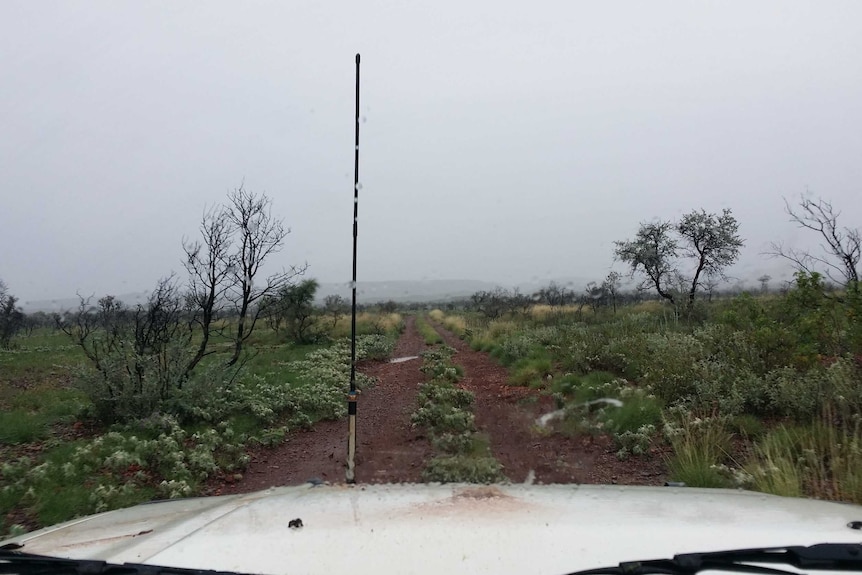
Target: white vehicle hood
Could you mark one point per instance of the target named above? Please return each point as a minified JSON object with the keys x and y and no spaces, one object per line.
{"x":424,"y":529}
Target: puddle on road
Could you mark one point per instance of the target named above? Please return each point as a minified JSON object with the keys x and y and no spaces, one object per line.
{"x":403,"y":359}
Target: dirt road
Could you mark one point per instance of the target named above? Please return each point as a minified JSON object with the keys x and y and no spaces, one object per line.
{"x":390,"y":450}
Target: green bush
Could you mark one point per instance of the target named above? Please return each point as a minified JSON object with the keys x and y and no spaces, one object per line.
{"x":634,"y":442}
{"x":518,"y":346}
{"x":319,"y":391}
{"x":531,"y":371}
{"x":128,"y":385}
{"x":463,"y":469}
{"x":439,"y":393}
{"x":673,"y":359}
{"x":443,"y":418}
{"x":453,"y":443}
{"x":639,"y":410}
{"x":799,"y":394}
{"x":119,"y":469}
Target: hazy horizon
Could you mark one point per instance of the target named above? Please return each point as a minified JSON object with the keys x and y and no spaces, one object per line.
{"x":500,"y":142}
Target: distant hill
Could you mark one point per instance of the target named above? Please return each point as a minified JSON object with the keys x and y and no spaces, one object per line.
{"x":402,"y":291}
{"x":368,"y":292}
{"x":406,"y":291}
{"x":65,"y":304}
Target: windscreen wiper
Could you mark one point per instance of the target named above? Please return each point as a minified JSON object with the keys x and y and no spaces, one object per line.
{"x":18,"y":563}
{"x":825,"y":556}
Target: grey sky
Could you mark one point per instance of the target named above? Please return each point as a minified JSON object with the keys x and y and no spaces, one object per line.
{"x":503,"y":141}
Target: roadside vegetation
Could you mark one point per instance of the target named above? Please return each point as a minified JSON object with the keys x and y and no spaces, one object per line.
{"x":64,"y":455}
{"x":758,"y":390}
{"x":109,"y":405}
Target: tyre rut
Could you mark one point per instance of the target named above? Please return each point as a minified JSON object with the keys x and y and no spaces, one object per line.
{"x":507,"y":414}
{"x":389,"y":450}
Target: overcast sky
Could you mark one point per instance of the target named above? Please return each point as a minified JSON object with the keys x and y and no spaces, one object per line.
{"x":502,"y":141}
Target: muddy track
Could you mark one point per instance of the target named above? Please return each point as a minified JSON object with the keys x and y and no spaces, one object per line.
{"x":507,"y":415}
{"x":390,"y":450}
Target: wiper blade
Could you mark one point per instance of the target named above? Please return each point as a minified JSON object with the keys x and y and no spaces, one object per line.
{"x":824,"y":556}
{"x":18,"y":563}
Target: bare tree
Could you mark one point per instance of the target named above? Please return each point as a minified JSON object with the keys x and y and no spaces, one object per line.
{"x":140,"y":353}
{"x":595,"y":295}
{"x":258,"y":236}
{"x":209,"y":264}
{"x":555,"y":295}
{"x":841,"y":248}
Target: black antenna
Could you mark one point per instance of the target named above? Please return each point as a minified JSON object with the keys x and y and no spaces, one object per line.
{"x":351,"y":397}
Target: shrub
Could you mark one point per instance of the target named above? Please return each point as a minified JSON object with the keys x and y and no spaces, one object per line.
{"x":446,"y":395}
{"x":456,"y":324}
{"x":443,"y":418}
{"x":639,"y":410}
{"x":120,"y":468}
{"x":437,"y":315}
{"x":517,"y":347}
{"x":673,"y":359}
{"x":319,"y":393}
{"x":635,"y":442}
{"x":453,"y":443}
{"x":799,"y":394}
{"x":463,"y":469}
{"x":531,"y":371}
{"x":128,"y":385}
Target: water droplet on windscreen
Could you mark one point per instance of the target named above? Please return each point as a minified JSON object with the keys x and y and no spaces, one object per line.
{"x":358,"y":185}
{"x":363,"y":119}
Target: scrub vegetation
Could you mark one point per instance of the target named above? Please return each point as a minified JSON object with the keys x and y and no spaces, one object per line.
{"x":109,"y":404}
{"x":64,"y":454}
{"x":760,"y":390}
{"x":754,"y":390}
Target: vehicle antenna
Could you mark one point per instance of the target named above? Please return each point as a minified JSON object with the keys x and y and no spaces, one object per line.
{"x":351,"y":397}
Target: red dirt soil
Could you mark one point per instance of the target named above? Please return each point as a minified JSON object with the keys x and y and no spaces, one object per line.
{"x":390,"y":450}
{"x":507,"y":414}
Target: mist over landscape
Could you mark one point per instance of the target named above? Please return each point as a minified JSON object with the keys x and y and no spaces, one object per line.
{"x":511,"y":146}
